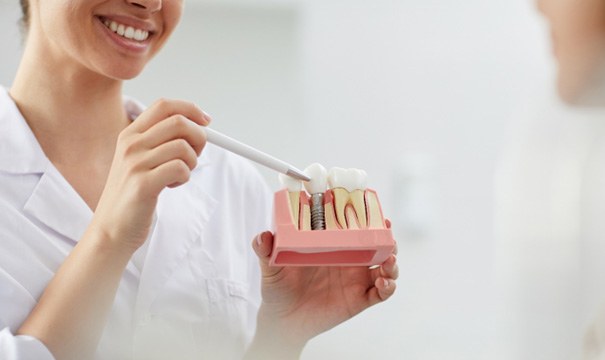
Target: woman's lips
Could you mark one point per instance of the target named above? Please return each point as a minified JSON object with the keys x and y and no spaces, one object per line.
{"x":125,"y":37}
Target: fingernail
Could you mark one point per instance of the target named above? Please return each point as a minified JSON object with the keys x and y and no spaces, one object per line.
{"x":385,"y":283}
{"x":259,"y":239}
{"x":208,"y":117}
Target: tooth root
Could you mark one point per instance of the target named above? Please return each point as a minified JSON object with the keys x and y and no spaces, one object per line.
{"x":341,"y":199}
{"x":331,"y":222}
{"x":357,"y":199}
{"x":294,"y":198}
{"x":330,"y":214}
{"x":375,"y":218}
{"x":305,"y":218}
{"x":351,"y":215}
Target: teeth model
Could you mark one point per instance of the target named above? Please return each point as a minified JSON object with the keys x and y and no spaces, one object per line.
{"x":316,"y":188}
{"x":348,"y":187}
{"x":294,"y":187}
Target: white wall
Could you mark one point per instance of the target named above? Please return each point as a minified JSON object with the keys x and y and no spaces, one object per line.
{"x":372,"y":84}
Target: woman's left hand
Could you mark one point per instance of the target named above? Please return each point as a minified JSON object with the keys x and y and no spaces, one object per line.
{"x":302,"y":302}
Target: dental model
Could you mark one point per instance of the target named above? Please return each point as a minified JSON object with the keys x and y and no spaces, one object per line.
{"x":316,"y":188}
{"x":349,"y":187}
{"x":340,"y":226}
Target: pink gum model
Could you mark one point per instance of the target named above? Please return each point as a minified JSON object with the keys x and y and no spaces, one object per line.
{"x":293,"y":247}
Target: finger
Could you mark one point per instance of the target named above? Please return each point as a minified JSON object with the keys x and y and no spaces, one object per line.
{"x":263,"y":247}
{"x":175,"y":127}
{"x":163,"y":109}
{"x":382,"y":290}
{"x":173,"y":150}
{"x":169,"y":174}
{"x":388,"y":269}
{"x":388,"y":224}
{"x":386,"y":288}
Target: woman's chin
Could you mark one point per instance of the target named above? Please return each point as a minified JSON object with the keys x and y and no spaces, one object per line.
{"x":125,"y":74}
{"x":121,"y":71}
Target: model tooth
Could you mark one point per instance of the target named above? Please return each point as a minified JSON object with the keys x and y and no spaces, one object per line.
{"x":348,"y":187}
{"x":342,"y":178}
{"x":319,"y":179}
{"x":375,"y":218}
{"x":337,"y":178}
{"x":357,"y":198}
{"x":294,"y":187}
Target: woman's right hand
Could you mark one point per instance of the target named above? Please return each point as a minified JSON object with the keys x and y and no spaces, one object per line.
{"x":158,"y":150}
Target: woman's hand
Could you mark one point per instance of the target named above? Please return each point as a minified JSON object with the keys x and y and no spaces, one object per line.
{"x":302,"y":302}
{"x":158,"y":150}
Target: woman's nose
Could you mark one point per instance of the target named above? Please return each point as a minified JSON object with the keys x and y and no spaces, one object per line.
{"x":149,"y":5}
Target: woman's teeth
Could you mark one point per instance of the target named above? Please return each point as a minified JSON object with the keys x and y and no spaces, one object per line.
{"x":127,"y":31}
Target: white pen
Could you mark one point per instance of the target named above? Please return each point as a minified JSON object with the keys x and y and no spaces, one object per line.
{"x":241,"y":149}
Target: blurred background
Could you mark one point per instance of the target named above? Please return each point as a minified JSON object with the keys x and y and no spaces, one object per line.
{"x":449,"y":107}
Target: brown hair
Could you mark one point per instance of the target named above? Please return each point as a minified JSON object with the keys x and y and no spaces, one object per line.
{"x":25,"y":9}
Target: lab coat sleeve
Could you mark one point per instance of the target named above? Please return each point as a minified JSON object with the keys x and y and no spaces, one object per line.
{"x":22,"y":347}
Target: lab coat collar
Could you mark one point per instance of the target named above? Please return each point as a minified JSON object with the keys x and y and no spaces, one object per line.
{"x":53,"y":200}
{"x":56,"y":204}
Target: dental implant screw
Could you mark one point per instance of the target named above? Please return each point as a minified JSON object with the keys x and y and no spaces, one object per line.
{"x":318,"y":220}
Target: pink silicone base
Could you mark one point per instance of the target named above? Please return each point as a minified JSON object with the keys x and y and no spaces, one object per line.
{"x":293,"y":247}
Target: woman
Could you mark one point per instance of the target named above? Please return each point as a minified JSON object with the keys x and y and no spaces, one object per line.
{"x":98,"y":259}
{"x":553,"y":274}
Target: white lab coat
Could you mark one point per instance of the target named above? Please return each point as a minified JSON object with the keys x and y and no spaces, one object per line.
{"x":198,"y":291}
{"x":550,"y":248}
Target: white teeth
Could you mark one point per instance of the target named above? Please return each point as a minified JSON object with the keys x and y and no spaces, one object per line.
{"x":361,"y":179}
{"x":348,"y":179}
{"x":138,"y":35}
{"x":319,"y":179}
{"x":128,"y":32}
{"x":290,"y":183}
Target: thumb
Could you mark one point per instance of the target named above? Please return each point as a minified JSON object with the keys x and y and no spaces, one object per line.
{"x":263,"y":247}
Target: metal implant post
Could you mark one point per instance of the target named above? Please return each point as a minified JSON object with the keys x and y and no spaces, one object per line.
{"x":316,"y":188}
{"x":318,"y":220}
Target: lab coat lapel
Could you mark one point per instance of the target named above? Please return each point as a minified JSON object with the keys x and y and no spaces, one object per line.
{"x":182,"y":214}
{"x":56,"y":204}
{"x":53,"y":200}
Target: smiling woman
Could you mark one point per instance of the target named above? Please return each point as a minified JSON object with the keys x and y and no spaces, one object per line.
{"x":132,"y":235}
